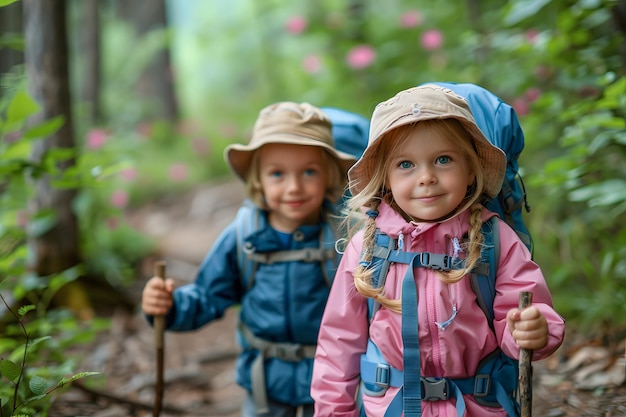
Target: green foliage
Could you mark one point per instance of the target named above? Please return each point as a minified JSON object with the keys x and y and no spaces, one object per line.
{"x":589,"y":207}
{"x":35,"y":354}
{"x":105,"y":234}
{"x":6,"y":2}
{"x":27,"y":382}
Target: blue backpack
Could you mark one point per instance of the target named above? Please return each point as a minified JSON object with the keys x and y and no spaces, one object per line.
{"x":495,"y":382}
{"x":350,"y":130}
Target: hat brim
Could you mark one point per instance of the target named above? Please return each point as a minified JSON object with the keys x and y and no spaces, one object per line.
{"x":239,"y":156}
{"x":492,"y":158}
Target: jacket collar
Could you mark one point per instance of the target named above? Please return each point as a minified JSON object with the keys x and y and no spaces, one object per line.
{"x":392,"y":223}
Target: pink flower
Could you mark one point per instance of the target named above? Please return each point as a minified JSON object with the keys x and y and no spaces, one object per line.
{"x":96,"y":138}
{"x":361,"y":56}
{"x":296,"y":25}
{"x":119,"y":198}
{"x":543,"y":72}
{"x":432,"y":39}
{"x":312,"y":64}
{"x":411,"y":19}
{"x":531,"y":35}
{"x":520,"y":106}
{"x":532,"y":94}
{"x":129,"y":174}
{"x":178,"y":172}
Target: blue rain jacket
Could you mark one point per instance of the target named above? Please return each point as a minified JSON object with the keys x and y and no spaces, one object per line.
{"x":284,"y":304}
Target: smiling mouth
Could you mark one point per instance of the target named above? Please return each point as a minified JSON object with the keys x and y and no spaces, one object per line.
{"x":428,"y":198}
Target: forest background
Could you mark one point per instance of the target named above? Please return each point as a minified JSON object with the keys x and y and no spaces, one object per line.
{"x":106,"y":105}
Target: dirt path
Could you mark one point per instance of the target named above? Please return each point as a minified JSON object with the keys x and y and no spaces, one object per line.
{"x":199,"y":377}
{"x":199,"y":365}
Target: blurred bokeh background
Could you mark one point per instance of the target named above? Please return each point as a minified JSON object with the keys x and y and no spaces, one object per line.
{"x":108,"y":105}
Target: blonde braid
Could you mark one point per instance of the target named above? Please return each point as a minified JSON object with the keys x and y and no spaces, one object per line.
{"x":474,"y":246}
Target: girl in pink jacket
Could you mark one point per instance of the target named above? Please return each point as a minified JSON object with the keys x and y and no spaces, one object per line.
{"x":422,"y":180}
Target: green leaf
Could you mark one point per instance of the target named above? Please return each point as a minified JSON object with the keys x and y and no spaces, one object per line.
{"x":64,"y":381}
{"x":33,"y":398}
{"x":46,"y":128}
{"x":12,"y":41}
{"x":6,"y":2}
{"x":25,"y":309}
{"x":21,"y":107}
{"x":601,"y":194}
{"x":38,"y":385}
{"x":43,"y":222}
{"x":524,"y":9}
{"x":10,"y":370}
{"x":35,"y":342}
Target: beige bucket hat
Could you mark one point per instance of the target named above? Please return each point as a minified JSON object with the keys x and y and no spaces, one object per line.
{"x":290,"y":123}
{"x":427,"y":102}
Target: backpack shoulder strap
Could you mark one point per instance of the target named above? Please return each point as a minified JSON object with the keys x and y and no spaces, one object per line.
{"x":483,"y":278}
{"x":247,"y":221}
{"x":331,"y":257}
{"x":383,"y":245}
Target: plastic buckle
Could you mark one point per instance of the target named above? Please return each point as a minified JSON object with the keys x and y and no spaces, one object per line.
{"x":435,"y":262}
{"x":435,"y":389}
{"x":482,"y":385}
{"x":293,"y":353}
{"x":383,"y":375}
{"x":248,"y":248}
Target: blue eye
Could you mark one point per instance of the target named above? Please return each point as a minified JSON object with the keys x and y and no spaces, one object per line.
{"x":405,"y":164}
{"x":443,"y":160}
{"x":310,"y":172}
{"x":276,"y":174}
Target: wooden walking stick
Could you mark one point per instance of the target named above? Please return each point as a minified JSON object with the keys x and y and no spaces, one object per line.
{"x":525,"y":366}
{"x":159,"y":342}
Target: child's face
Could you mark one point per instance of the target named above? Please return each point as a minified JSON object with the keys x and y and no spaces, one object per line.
{"x":294,"y":180}
{"x":428,"y":175}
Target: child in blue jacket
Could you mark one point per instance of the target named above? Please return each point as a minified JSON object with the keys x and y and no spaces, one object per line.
{"x":275,"y":259}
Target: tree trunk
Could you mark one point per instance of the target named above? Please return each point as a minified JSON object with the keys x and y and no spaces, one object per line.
{"x":46,"y":55}
{"x":10,"y":24}
{"x":157,"y":81}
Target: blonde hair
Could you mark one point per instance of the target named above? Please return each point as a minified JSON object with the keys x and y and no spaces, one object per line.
{"x":375,"y":191}
{"x":334,"y":188}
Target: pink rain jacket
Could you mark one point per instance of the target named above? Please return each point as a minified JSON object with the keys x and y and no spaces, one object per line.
{"x":454,"y":352}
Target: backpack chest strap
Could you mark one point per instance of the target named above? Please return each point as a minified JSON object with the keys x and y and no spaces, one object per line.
{"x":305,"y":255}
{"x":290,"y":352}
{"x":435,"y":261}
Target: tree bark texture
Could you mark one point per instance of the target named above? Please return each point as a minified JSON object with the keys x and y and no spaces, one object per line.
{"x":46,"y":57}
